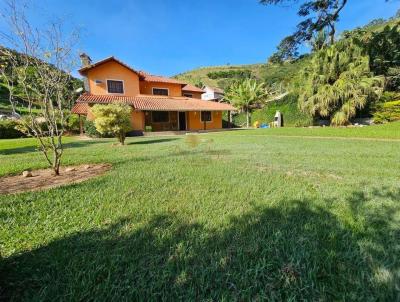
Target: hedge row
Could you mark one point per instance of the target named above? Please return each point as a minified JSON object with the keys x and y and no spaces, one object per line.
{"x":292,"y":116}
{"x":7,"y":129}
{"x":387,"y":112}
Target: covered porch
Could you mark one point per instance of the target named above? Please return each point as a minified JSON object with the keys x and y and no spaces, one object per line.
{"x":157,"y":121}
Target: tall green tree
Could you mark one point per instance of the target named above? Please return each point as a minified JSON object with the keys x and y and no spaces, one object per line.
{"x":245,"y":95}
{"x":338,"y":82}
{"x":319,"y":15}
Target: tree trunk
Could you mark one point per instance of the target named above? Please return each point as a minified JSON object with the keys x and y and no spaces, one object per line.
{"x":56,"y":164}
{"x":332,"y":34}
{"x":247,"y":118}
{"x":121,"y":138}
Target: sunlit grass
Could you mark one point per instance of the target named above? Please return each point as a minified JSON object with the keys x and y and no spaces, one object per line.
{"x":229,"y":217}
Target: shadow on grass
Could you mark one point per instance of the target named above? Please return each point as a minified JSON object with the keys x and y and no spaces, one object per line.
{"x":28,"y":149}
{"x":296,"y":252}
{"x":152,"y":141}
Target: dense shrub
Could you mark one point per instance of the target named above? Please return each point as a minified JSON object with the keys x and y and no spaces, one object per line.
{"x":72,"y":123}
{"x":292,"y":116}
{"x":8,"y":130}
{"x":387,"y":112}
{"x":226,"y":74}
{"x":90,"y":129}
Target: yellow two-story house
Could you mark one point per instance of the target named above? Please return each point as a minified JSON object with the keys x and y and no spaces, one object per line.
{"x":162,"y":103}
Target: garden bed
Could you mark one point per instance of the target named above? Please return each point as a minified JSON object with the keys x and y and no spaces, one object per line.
{"x":43,"y":179}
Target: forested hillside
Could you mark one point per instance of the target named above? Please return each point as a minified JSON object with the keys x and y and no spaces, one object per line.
{"x":357,"y":76}
{"x":5,"y":71}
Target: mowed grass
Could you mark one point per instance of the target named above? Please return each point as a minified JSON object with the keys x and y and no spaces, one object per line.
{"x":235,"y":218}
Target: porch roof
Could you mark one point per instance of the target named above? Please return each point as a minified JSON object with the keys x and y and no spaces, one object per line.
{"x":156,"y":103}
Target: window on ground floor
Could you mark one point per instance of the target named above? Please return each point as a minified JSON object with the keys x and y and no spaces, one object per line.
{"x":206,"y":116}
{"x":188,"y":95}
{"x":160,"y":116}
{"x":160,"y":91}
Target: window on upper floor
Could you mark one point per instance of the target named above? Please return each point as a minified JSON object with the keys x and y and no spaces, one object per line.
{"x":188,"y":95}
{"x":114,"y":86}
{"x":206,"y":116}
{"x":160,"y":91}
{"x":160,"y":116}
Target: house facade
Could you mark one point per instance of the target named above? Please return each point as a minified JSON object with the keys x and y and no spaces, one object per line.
{"x":212,"y":93}
{"x":158,"y":103}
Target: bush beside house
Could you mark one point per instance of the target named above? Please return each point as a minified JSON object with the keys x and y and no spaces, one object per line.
{"x":292,"y":116}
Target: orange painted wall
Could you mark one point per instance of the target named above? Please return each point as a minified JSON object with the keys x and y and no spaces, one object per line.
{"x":113,"y":71}
{"x":137,"y":120}
{"x":147,"y":88}
{"x":195,"y":123}
{"x":195,"y":95}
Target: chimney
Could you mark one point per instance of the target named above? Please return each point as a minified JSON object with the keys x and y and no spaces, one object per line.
{"x":85,"y":60}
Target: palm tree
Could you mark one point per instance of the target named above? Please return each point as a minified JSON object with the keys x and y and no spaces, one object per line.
{"x":338,"y":82}
{"x":244,"y":95}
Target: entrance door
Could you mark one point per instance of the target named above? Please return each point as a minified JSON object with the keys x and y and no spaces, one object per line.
{"x":182,"y":121}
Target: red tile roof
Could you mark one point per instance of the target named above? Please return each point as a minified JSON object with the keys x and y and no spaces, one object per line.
{"x":192,"y":88}
{"x":83,"y":70}
{"x":156,"y":103}
{"x":159,"y":79}
{"x":80,"y":108}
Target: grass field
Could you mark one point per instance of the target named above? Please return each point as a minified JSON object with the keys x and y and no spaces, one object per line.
{"x":245,"y":215}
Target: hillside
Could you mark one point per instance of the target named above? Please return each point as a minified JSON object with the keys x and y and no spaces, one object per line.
{"x":272,"y":74}
{"x":5,"y":105}
{"x":222,"y":76}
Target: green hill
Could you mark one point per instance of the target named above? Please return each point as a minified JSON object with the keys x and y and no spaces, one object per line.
{"x":222,"y":76}
{"x":272,"y":74}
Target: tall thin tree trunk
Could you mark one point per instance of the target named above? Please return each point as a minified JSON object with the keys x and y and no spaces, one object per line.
{"x":247,"y":117}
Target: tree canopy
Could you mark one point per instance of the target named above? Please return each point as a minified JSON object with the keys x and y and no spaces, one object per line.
{"x":338,"y":82}
{"x":113,"y":118}
{"x":319,"y":15}
{"x":245,"y":95}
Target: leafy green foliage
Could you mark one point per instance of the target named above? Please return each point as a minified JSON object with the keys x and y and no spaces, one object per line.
{"x":338,"y":82}
{"x":233,"y":73}
{"x":319,"y":16}
{"x":8,"y":129}
{"x":387,"y":112}
{"x":292,"y":116}
{"x":244,"y":95}
{"x":113,"y":118}
{"x":73,"y":123}
{"x":90,"y":129}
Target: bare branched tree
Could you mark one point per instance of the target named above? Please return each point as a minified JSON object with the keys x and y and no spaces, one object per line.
{"x":46,"y":58}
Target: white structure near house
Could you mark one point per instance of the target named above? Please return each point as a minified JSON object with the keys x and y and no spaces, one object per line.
{"x":212,"y":93}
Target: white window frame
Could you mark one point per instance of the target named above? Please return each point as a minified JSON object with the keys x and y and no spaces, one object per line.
{"x":210,"y":121}
{"x":152,"y":90}
{"x":117,"y":80}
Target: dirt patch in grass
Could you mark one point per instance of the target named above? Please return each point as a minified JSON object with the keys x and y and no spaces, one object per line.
{"x":43,"y":179}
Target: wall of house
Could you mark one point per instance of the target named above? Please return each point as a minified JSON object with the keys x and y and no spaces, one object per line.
{"x":194,"y":121}
{"x":137,"y":120}
{"x":147,"y":88}
{"x":195,"y":95}
{"x":113,"y":71}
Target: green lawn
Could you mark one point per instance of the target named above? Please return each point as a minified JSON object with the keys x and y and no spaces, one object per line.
{"x":246,"y":215}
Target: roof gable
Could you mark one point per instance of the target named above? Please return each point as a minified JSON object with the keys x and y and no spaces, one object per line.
{"x":83,"y":71}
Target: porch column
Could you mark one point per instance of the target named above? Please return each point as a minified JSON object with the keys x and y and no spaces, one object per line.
{"x":80,"y":125}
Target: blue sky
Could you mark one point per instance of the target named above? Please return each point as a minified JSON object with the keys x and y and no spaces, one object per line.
{"x":172,"y":36}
